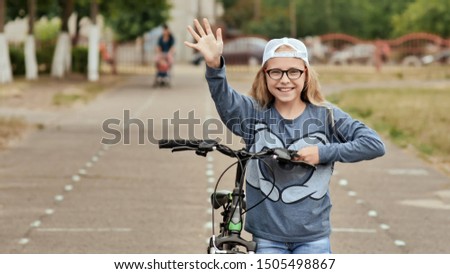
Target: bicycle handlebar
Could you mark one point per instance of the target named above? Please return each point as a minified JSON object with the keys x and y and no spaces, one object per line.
{"x":202,"y":147}
{"x":174,"y":143}
{"x":233,"y":202}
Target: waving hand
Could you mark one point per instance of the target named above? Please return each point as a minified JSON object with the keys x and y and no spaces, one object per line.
{"x":209,"y":46}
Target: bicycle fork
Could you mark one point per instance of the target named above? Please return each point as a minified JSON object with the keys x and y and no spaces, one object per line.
{"x":230,"y":237}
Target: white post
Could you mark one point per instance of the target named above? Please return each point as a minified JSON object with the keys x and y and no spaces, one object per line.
{"x":5,"y":61}
{"x":30,"y":58}
{"x":93,"y":55}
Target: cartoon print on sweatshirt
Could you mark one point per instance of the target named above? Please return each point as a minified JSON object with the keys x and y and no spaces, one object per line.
{"x":290,"y":187}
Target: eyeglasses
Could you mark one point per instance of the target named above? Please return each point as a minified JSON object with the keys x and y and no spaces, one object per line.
{"x":292,"y":73}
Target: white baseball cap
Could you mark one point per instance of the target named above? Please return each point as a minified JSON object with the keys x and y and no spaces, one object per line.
{"x":299,"y":49}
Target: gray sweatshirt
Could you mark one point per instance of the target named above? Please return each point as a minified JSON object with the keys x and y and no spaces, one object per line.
{"x":295,"y":199}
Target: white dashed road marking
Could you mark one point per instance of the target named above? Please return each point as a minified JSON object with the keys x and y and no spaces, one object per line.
{"x":408,"y":171}
{"x":88,"y":229}
{"x":373,"y":213}
{"x":60,"y":198}
{"x":354,"y":230}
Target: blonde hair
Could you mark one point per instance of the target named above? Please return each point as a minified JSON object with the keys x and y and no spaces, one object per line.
{"x":310,"y":94}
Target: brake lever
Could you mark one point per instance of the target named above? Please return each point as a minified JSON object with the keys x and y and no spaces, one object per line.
{"x":288,"y":156}
{"x":282,"y":154}
{"x":205,"y":147}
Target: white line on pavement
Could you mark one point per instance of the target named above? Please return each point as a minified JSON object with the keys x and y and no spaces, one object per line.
{"x":86,"y":229}
{"x":354,"y":230}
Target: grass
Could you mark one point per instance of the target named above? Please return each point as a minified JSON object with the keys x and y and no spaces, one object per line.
{"x":72,"y":89}
{"x":415,"y":118}
{"x":84,"y":93}
{"x":62,"y":99}
{"x":356,"y":73}
{"x":352,"y":74}
{"x":10,"y":128}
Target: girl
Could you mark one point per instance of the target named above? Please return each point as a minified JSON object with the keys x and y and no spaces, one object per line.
{"x":286,"y":109}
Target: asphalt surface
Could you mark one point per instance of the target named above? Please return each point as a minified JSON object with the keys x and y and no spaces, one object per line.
{"x":62,"y":190}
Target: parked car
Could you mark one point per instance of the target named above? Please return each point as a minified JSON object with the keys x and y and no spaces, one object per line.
{"x":355,"y":54}
{"x":442,"y":57}
{"x":240,"y":51}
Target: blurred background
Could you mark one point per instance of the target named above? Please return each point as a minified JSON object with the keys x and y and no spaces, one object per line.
{"x":337,"y":32}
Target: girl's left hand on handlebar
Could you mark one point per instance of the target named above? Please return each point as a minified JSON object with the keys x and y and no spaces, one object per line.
{"x":309,"y":154}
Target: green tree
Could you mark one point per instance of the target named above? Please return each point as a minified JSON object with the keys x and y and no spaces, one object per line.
{"x":228,"y":3}
{"x":277,"y":26}
{"x":424,"y":16}
{"x":18,"y":9}
{"x":362,"y":18}
{"x":379,"y":17}
{"x":131,"y":19}
{"x":83,"y":9}
{"x":237,"y":14}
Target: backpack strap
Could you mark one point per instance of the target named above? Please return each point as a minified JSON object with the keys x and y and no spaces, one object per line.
{"x":332,"y":125}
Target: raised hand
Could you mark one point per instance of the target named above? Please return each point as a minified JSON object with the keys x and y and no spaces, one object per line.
{"x":209,"y":46}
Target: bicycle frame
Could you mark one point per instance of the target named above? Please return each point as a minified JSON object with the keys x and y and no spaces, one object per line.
{"x":229,"y":240}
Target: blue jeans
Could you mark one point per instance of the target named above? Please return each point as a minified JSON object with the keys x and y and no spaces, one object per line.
{"x":321,"y":246}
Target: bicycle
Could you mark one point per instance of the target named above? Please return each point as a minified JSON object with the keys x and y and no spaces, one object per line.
{"x":229,"y":240}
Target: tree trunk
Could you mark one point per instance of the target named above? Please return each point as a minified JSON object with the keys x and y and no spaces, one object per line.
{"x":76,"y":37}
{"x":2,"y":15}
{"x":31,"y":67}
{"x":62,"y":50}
{"x":68,"y":10}
{"x":94,"y":39}
{"x":62,"y":58}
{"x":5,"y":61}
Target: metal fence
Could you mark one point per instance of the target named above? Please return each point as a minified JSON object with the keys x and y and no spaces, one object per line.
{"x":415,"y":49}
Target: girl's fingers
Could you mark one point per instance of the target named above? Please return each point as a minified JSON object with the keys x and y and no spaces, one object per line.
{"x":207,"y":26}
{"x":193,"y":33}
{"x":199,"y":28}
{"x":219,"y":35}
{"x":206,"y":42}
{"x":191,"y":45}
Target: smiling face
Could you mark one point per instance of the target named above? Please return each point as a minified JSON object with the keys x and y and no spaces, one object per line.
{"x":286,"y":91}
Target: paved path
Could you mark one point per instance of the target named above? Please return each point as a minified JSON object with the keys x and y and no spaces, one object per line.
{"x":63,"y":191}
